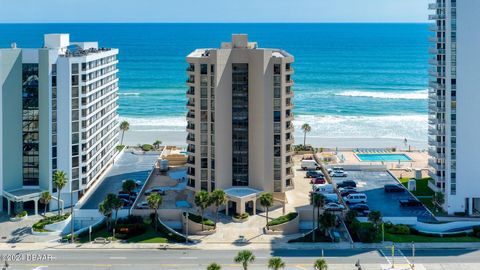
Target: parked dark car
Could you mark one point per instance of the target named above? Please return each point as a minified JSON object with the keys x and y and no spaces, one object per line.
{"x":361,"y":208}
{"x":318,"y":181}
{"x":389,"y":188}
{"x":345,"y":193}
{"x":314,"y":174}
{"x":410,"y":202}
{"x":347,"y":183}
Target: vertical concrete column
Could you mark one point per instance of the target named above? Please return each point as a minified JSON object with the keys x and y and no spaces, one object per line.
{"x":241,"y":207}
{"x":254,"y":206}
{"x":36,"y":206}
{"x":9,"y":207}
{"x":226,"y":207}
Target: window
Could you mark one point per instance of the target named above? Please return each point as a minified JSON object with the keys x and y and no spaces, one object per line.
{"x":75,"y":80}
{"x":203,"y":69}
{"x":74,"y":68}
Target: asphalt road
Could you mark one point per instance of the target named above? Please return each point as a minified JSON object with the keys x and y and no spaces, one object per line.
{"x":199,"y":259}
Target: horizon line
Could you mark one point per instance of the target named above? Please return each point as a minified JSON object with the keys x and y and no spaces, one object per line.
{"x":219,"y":22}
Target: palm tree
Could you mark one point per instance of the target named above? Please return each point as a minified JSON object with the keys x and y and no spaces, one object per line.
{"x":124,"y":126}
{"x":128,"y":186}
{"x":45,"y":198}
{"x":59,"y":181}
{"x":105,"y":207}
{"x":218,"y":198}
{"x":244,"y":257}
{"x":266,"y":200}
{"x":318,"y":202}
{"x":438,"y":200}
{"x":156,"y":144}
{"x":320,"y":264}
{"x":327,"y":220}
{"x":375,"y":217}
{"x":116,"y":204}
{"x":214,"y":266}
{"x":154,"y":201}
{"x":202,"y":201}
{"x":276,"y":263}
{"x":305,"y":128}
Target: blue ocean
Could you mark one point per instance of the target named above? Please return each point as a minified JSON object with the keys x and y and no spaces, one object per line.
{"x":351,"y":80}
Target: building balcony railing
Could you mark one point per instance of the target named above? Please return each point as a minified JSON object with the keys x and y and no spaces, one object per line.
{"x":191,"y":80}
{"x":191,"y":69}
{"x":437,"y":74}
{"x":191,"y":115}
{"x":289,"y":70}
{"x":437,"y":17}
{"x":289,"y":116}
{"x":190,"y":93}
{"x":191,"y":105}
{"x":436,"y":121}
{"x":436,"y":39}
{"x":436,"y":143}
{"x":289,"y":82}
{"x":190,"y":139}
{"x":433,"y":164}
{"x":434,"y":107}
{"x":436,"y":51}
{"x":436,"y":62}
{"x":191,"y":128}
{"x":191,"y":148}
{"x":433,"y":6}
{"x":436,"y":154}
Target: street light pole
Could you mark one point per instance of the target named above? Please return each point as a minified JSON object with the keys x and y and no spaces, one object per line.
{"x":72,"y":219}
{"x":413,"y":255}
{"x":186,"y":225}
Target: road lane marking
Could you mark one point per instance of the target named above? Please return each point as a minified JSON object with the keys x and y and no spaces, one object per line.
{"x":188,"y":258}
{"x":118,"y":258}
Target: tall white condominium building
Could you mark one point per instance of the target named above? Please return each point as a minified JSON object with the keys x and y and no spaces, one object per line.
{"x":455,"y":104}
{"x":58,"y":112}
{"x":240,"y":130}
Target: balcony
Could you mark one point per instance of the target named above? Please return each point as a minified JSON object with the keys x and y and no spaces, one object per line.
{"x":289,"y":82}
{"x":437,"y":74}
{"x":289,"y":105}
{"x":191,"y":116}
{"x":289,"y":70}
{"x":436,"y":51}
{"x":190,"y":105}
{"x":434,"y":107}
{"x":191,"y":148}
{"x":436,"y":143}
{"x":437,"y":17}
{"x":190,"y":138}
{"x":436,"y":154}
{"x":190,"y":93}
{"x":434,"y":6}
{"x":436,"y":62}
{"x":436,"y":39}
{"x":191,"y":128}
{"x":436,"y":121}
{"x":191,"y":80}
{"x":191,"y":68}
{"x":289,"y":116}
{"x":191,"y":161}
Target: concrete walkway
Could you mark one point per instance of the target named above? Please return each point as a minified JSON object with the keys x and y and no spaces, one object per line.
{"x":20,"y":231}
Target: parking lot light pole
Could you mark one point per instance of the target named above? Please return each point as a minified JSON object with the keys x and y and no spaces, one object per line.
{"x":413,"y":255}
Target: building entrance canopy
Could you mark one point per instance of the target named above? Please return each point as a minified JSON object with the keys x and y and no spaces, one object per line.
{"x":241,"y":196}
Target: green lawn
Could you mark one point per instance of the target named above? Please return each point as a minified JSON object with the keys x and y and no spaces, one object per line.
{"x":148,"y":237}
{"x":424,"y":194}
{"x":398,"y":238}
{"x":422,"y":187}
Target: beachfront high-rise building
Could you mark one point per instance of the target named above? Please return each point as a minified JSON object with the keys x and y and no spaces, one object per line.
{"x":59,"y":112}
{"x":454,"y":104}
{"x":240,"y":113}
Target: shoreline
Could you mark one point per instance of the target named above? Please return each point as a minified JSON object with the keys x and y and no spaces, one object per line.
{"x":135,"y":136}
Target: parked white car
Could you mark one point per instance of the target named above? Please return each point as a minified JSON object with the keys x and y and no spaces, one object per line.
{"x":309,"y":164}
{"x":338,"y":174}
{"x":143,"y":205}
{"x":334,"y":207}
{"x":355,"y":198}
{"x":323,"y":188}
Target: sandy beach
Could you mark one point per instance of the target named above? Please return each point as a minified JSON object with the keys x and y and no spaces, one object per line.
{"x":140,"y":135}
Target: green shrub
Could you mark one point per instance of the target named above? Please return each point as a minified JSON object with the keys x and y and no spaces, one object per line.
{"x":21,"y":214}
{"x":40,"y":225}
{"x":476,"y":231}
{"x":283,"y":219}
{"x":198,"y":219}
{"x":242,"y":216}
{"x":399,"y":229}
{"x":147,"y":147}
{"x":126,"y":231}
{"x":120,"y":147}
{"x":367,"y":233}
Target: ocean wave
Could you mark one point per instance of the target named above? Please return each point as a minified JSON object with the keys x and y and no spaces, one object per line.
{"x":129,"y":94}
{"x":413,"y":127}
{"x":420,"y":94}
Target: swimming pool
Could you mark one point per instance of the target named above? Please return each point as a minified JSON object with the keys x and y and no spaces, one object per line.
{"x":383,"y":157}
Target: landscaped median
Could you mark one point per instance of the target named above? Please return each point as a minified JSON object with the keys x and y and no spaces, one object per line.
{"x":195,"y":224}
{"x":51,"y":225}
{"x":240,"y":218}
{"x":287,"y":224}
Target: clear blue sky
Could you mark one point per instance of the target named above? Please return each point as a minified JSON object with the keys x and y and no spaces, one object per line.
{"x":214,"y":10}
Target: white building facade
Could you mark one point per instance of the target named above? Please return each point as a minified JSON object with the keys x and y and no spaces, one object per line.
{"x":66,"y":94}
{"x":454,"y":105}
{"x":240,"y":113}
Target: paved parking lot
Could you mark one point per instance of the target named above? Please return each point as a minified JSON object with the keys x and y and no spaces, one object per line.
{"x":372,"y":182}
{"x":129,"y":166}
